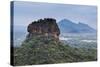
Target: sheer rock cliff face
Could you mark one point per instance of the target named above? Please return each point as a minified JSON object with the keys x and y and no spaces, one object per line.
{"x":45,"y":27}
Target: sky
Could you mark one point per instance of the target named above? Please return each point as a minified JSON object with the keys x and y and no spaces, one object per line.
{"x":26,"y":12}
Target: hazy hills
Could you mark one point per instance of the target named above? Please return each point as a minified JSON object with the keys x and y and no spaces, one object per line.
{"x":67,"y":26}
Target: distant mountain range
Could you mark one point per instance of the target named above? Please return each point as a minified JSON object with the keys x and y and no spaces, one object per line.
{"x":67,"y":26}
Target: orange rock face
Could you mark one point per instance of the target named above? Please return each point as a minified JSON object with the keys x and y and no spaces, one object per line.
{"x":46,"y":27}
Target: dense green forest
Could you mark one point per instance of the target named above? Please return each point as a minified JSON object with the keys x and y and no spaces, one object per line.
{"x":44,"y":50}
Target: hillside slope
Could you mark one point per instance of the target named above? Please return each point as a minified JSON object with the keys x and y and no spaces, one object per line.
{"x":43,"y":50}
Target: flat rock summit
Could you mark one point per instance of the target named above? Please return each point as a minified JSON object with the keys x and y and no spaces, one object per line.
{"x":45,"y":27}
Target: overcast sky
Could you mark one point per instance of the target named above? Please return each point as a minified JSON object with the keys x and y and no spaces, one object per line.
{"x":26,"y":12}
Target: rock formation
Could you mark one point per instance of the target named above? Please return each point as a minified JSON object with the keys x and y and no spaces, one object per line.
{"x":45,"y":27}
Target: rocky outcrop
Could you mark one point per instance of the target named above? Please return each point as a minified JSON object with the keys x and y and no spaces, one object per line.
{"x":43,"y":50}
{"x":46,"y":27}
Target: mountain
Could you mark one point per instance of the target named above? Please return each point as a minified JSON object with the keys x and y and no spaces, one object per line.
{"x":38,"y":48}
{"x":67,"y":26}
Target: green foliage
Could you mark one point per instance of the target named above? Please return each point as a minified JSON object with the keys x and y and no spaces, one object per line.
{"x":44,"y":50}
